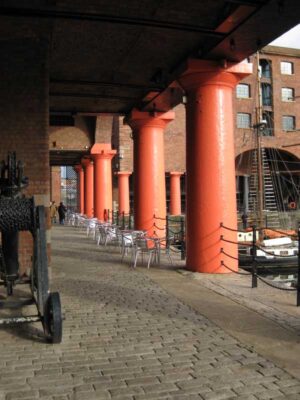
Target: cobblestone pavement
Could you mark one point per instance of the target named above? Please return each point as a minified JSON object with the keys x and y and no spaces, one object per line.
{"x":126,"y":338}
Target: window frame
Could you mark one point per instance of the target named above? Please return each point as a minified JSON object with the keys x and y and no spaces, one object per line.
{"x":293,"y":118}
{"x":290,"y":98}
{"x":266,"y":89}
{"x":237,"y":120}
{"x":248,"y":89}
{"x":282,"y":69}
{"x":265,"y":73}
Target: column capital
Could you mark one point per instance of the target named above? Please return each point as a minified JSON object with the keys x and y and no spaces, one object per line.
{"x":196,"y":73}
{"x":175,"y":173}
{"x":139,"y":119}
{"x":123,"y":173}
{"x":78,"y":167}
{"x":102,"y":151}
{"x":85,"y":161}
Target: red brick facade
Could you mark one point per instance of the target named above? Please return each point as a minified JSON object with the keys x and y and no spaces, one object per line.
{"x":24,"y":119}
{"x":244,"y":138}
{"x":111,"y":129}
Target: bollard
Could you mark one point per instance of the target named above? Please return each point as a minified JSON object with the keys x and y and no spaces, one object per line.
{"x":254,"y":265}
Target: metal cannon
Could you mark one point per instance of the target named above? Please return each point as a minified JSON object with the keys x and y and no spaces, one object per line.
{"x":19,"y":213}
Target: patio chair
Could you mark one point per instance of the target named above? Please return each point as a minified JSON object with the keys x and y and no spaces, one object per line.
{"x":146,"y":246}
{"x":91,"y":227}
{"x":112,"y":235}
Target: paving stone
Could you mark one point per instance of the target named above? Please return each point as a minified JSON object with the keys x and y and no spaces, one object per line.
{"x":23,"y":394}
{"x":126,"y":338}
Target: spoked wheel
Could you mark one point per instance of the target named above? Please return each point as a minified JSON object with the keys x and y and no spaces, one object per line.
{"x":53,"y":319}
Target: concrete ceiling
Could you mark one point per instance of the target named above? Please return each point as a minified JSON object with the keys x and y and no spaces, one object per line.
{"x":110,"y":56}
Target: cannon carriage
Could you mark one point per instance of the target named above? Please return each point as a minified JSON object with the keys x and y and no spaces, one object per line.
{"x":19,"y":213}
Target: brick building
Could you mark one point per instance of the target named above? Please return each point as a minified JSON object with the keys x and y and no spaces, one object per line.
{"x":74,"y":135}
{"x":277,"y":124}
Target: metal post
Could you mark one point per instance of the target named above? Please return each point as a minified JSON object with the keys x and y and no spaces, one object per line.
{"x":129,"y":222}
{"x":246,"y":194}
{"x":182,"y":238}
{"x":298,"y":278}
{"x":254,"y":262}
{"x":167,"y":232}
{"x":123,"y":220}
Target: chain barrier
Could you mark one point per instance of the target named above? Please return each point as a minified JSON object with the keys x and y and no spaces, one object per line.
{"x":162,"y":219}
{"x":160,"y":229}
{"x":265,"y":281}
{"x":228,"y":255}
{"x":255,"y":261}
{"x":232,"y":270}
{"x":229,"y":229}
{"x":230,"y":241}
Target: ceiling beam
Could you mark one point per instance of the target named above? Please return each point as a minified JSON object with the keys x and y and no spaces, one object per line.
{"x":102,"y":83}
{"x":95,"y":17}
{"x":253,"y":3}
{"x":91,"y":95}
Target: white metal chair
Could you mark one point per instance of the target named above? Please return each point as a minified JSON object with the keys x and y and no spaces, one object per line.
{"x":146,"y":246}
{"x":112,"y":235}
{"x":91,"y":227}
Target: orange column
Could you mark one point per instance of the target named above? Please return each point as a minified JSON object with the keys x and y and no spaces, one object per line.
{"x":123,"y":186}
{"x":175,"y":193}
{"x":210,"y":170}
{"x":102,"y":155}
{"x":149,"y":170}
{"x":80,"y":188}
{"x":88,"y":187}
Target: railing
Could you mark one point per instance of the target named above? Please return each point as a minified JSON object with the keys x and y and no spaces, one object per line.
{"x":175,"y":233}
{"x":256,"y":262}
{"x":174,"y":227}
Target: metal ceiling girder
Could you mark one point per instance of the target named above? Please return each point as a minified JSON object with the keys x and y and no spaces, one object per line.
{"x":75,"y":15}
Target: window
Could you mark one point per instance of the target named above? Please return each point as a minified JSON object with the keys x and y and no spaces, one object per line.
{"x":286,"y":68}
{"x":266,"y":93}
{"x":265,"y":68}
{"x":243,"y":120}
{"x":288,"y":123}
{"x":269,"y":118}
{"x":243,"y":91}
{"x":287,"y":94}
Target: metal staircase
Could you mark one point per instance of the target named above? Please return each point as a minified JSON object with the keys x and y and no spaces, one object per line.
{"x":270,"y":206}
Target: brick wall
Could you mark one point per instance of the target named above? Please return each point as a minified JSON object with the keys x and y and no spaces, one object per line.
{"x":24,"y":119}
{"x":55,"y":185}
{"x":174,"y":143}
{"x":245,"y":138}
{"x":77,"y":137}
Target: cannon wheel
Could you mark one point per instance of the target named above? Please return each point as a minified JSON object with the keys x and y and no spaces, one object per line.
{"x":52,"y":318}
{"x":48,"y":304}
{"x":40,"y":281}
